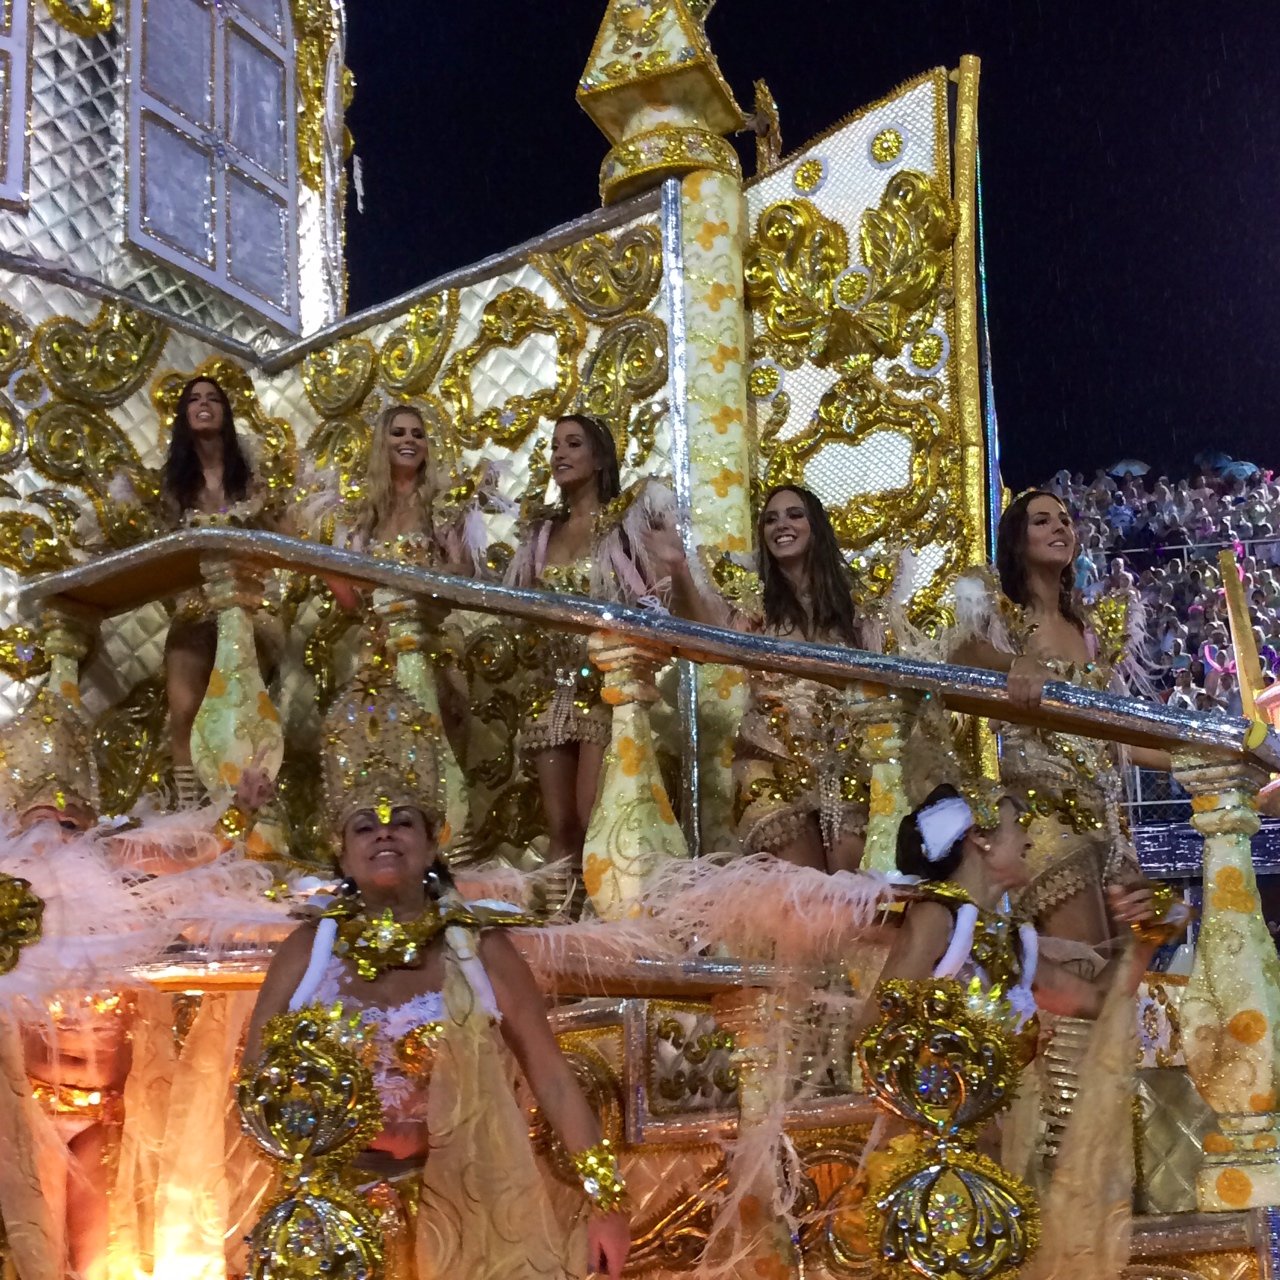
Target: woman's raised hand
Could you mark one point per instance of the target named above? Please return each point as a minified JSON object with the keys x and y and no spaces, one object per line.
{"x":665,"y":550}
{"x":608,"y":1243}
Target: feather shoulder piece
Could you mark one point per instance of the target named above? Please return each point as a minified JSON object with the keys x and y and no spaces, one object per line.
{"x":984,"y":612}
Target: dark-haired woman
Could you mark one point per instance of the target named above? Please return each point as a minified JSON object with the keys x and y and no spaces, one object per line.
{"x":439,"y":999}
{"x":801,"y":788}
{"x":965,"y":852}
{"x":591,"y":544}
{"x":206,"y":477}
{"x":1030,"y":624}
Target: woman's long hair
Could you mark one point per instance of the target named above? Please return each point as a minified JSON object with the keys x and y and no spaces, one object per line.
{"x":830,"y":578}
{"x":183,"y":477}
{"x":376,"y":506}
{"x":1011,"y":542}
{"x":605,"y":450}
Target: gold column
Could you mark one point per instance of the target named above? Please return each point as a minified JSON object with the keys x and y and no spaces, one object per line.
{"x":1231,"y":1010}
{"x":65,"y":636}
{"x":237,"y":723}
{"x":713,"y":232}
{"x":414,"y":647}
{"x":884,"y":717}
{"x":761,"y":1243}
{"x":632,"y":825}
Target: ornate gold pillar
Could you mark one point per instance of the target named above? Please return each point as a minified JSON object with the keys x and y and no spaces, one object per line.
{"x":414,"y":648}
{"x":653,"y":87}
{"x":237,"y":723}
{"x":883,"y":717}
{"x":65,"y":636}
{"x":632,"y":825}
{"x":712,"y":356}
{"x":761,"y":1243}
{"x":1231,"y":1010}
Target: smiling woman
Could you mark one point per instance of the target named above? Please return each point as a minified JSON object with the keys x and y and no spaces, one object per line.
{"x":435,"y":998}
{"x":206,"y":479}
{"x":590,"y":544}
{"x":801,"y":791}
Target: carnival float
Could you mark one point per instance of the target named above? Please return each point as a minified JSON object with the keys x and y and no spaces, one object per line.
{"x":172,"y":194}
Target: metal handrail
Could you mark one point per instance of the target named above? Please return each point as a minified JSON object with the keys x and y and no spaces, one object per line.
{"x":124,"y":580}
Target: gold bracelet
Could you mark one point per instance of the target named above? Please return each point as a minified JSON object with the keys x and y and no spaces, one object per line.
{"x":235,"y":822}
{"x":1170,"y":916}
{"x":598,"y":1168}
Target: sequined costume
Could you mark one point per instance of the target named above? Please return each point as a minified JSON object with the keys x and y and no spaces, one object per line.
{"x":1072,"y":786}
{"x":479,"y":1207}
{"x":194,"y":623}
{"x":560,"y":689}
{"x":795,"y":755}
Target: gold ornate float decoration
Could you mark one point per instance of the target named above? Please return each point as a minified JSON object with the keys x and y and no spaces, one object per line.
{"x":309,"y":1102}
{"x":945,"y":1058}
{"x":21,"y":914}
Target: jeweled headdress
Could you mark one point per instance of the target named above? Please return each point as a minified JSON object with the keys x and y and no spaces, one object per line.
{"x":46,"y":757}
{"x":379,"y":747}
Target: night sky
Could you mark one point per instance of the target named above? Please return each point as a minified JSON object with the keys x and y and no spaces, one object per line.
{"x":1131,"y":182}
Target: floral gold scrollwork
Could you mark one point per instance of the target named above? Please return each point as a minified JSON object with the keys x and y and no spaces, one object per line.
{"x":315,"y":27}
{"x":83,"y":18}
{"x":514,"y":819}
{"x":15,"y":333}
{"x":79,"y":445}
{"x":29,"y":544}
{"x":813,"y":306}
{"x":82,"y":446}
{"x":337,"y":378}
{"x":690,"y":1059}
{"x":342,"y":445}
{"x":608,"y":276}
{"x":831,"y":1201}
{"x":676,"y":1237}
{"x":103,"y":363}
{"x":278,"y":461}
{"x":128,"y":743}
{"x":945,"y":1057}
{"x":21,"y":656}
{"x":310,"y":1104}
{"x":628,"y":365}
{"x":412,"y":354}
{"x":13,"y":435}
{"x":858,"y":406}
{"x":508,"y":321}
{"x":21,"y":914}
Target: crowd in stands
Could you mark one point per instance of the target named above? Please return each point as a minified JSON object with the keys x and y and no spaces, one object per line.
{"x":1162,"y":539}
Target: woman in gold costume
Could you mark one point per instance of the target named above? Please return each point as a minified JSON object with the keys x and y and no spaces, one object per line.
{"x":801,"y":789}
{"x":206,"y":478}
{"x":957,"y":852}
{"x":434,"y":996}
{"x":590,"y":545}
{"x":403,"y":515}
{"x":959,"y":960}
{"x":1032,"y":626}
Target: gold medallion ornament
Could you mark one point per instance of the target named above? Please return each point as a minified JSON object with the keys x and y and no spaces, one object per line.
{"x":376,"y":944}
{"x":945,"y":1057}
{"x":21,"y":915}
{"x":83,"y":18}
{"x":311,"y":1105}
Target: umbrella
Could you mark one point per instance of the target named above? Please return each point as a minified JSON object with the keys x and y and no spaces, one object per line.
{"x":1129,"y":467}
{"x":1238,"y":471}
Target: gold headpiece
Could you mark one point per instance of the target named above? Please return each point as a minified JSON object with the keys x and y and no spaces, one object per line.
{"x":46,"y":756}
{"x":379,"y":748}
